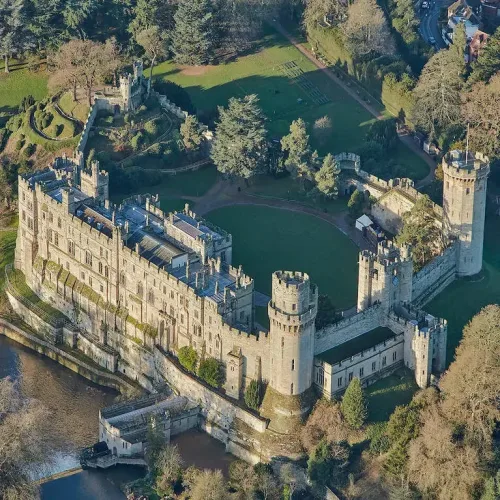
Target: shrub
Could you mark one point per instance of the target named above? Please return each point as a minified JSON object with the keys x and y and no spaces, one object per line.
{"x":14,"y":123}
{"x":156,"y":150}
{"x":47,"y":119}
{"x":59,"y":129}
{"x":188,"y":358}
{"x":253,"y":395}
{"x":152,"y":127}
{"x":137,"y":141}
{"x":142,"y":109}
{"x":126,"y":117}
{"x":29,"y":150}
{"x":211,"y":372}
{"x":25,"y":167}
{"x":4,"y":136}
{"x":20,"y":144}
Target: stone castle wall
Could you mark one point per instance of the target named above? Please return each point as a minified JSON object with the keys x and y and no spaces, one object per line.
{"x":435,"y":276}
{"x":347,"y":329}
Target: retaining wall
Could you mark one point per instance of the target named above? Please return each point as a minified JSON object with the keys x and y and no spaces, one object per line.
{"x":65,"y":359}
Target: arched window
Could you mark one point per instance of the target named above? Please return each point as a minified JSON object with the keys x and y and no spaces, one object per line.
{"x":140,"y":290}
{"x":122,"y":278}
{"x":100,"y":267}
{"x":291,"y":388}
{"x":106,"y":272}
{"x":151,"y":297}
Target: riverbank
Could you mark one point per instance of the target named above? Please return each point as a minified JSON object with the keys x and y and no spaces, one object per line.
{"x":72,"y":361}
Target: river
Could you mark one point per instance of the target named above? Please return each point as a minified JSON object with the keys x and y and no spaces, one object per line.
{"x":74,"y":403}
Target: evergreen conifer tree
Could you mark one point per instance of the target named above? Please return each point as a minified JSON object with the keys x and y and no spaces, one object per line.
{"x":192,"y":39}
{"x":488,"y":62}
{"x":354,"y":407}
{"x":240,"y":145}
{"x":327,"y":177}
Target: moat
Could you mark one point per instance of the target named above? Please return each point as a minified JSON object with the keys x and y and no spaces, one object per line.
{"x":74,"y":405}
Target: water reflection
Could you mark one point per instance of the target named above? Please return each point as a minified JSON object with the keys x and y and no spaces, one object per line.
{"x":72,"y":401}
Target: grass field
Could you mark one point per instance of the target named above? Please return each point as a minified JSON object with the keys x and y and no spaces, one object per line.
{"x":19,"y":83}
{"x":263,"y":72}
{"x":266,"y":240}
{"x":173,"y":188}
{"x":78,"y":110}
{"x":383,"y":396}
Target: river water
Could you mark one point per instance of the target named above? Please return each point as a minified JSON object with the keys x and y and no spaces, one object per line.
{"x":74,"y":403}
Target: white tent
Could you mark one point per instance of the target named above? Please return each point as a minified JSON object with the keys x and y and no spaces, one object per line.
{"x":363,"y":222}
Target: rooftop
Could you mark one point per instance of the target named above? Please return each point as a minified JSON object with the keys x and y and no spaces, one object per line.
{"x":356,"y":345}
{"x":194,"y":228}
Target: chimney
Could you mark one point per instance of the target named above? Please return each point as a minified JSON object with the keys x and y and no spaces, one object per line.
{"x":187,"y":269}
{"x":217,"y":286}
{"x":138,"y":248}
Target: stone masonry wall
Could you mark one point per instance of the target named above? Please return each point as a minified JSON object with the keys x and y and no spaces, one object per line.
{"x":434,"y":277}
{"x":347,"y":329}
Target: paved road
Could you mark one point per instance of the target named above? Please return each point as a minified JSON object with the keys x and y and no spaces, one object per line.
{"x":429,"y":26}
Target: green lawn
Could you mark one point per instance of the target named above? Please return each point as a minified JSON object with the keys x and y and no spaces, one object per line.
{"x":173,"y":188}
{"x":383,"y":396}
{"x":268,"y":239}
{"x":281,"y":97}
{"x":78,"y":110}
{"x":289,"y":189}
{"x":463,"y":299}
{"x":17,"y":84}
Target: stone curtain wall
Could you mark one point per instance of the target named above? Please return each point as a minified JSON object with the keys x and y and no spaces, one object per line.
{"x":434,"y":277}
{"x":347,"y":329}
{"x":169,"y":106}
{"x":80,"y":149}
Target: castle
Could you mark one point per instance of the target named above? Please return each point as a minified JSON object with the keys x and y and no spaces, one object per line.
{"x":137,"y":284}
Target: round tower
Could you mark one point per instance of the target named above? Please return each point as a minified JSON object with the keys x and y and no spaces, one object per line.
{"x":292,"y":313}
{"x":464,"y":206}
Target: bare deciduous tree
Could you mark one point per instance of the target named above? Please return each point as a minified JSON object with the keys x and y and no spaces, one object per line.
{"x":439,"y":464}
{"x":366,"y":29}
{"x":209,"y":485}
{"x":22,"y":443}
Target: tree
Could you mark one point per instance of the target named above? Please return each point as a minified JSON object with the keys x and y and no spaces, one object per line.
{"x":153,"y":41}
{"x":22,"y":442}
{"x":191,"y":134}
{"x":293,"y":478}
{"x":405,"y":20}
{"x":76,"y":13}
{"x":488,"y":62}
{"x":85,"y":63}
{"x":327,"y":177}
{"x":192,"y":38}
{"x":384,"y":133}
{"x":168,"y":467}
{"x":188,"y":358}
{"x":326,"y":312}
{"x":211,"y":372}
{"x":354,"y":406}
{"x":6,"y":188}
{"x":327,"y":464}
{"x":460,"y":43}
{"x":15,"y":37}
{"x":481,"y":110}
{"x":322,"y":129}
{"x":240,"y":145}
{"x":155,"y":439}
{"x":470,"y":385}
{"x":356,"y":204}
{"x":253,"y":395}
{"x":421,"y":232}
{"x":437,"y":93}
{"x":299,"y":160}
{"x":316,"y":11}
{"x":440,"y":464}
{"x":491,"y":489}
{"x":209,"y":485}
{"x":366,"y":29}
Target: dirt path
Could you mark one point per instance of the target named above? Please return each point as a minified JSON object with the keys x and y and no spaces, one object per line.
{"x":406,"y":139}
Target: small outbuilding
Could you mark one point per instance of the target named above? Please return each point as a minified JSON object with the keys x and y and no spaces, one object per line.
{"x":363,"y":223}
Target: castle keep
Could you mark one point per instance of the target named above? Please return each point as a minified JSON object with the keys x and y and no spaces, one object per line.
{"x":136,"y":284}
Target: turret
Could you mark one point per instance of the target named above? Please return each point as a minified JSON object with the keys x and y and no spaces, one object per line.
{"x":292,"y":313}
{"x":386,"y":277}
{"x":464,"y":206}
